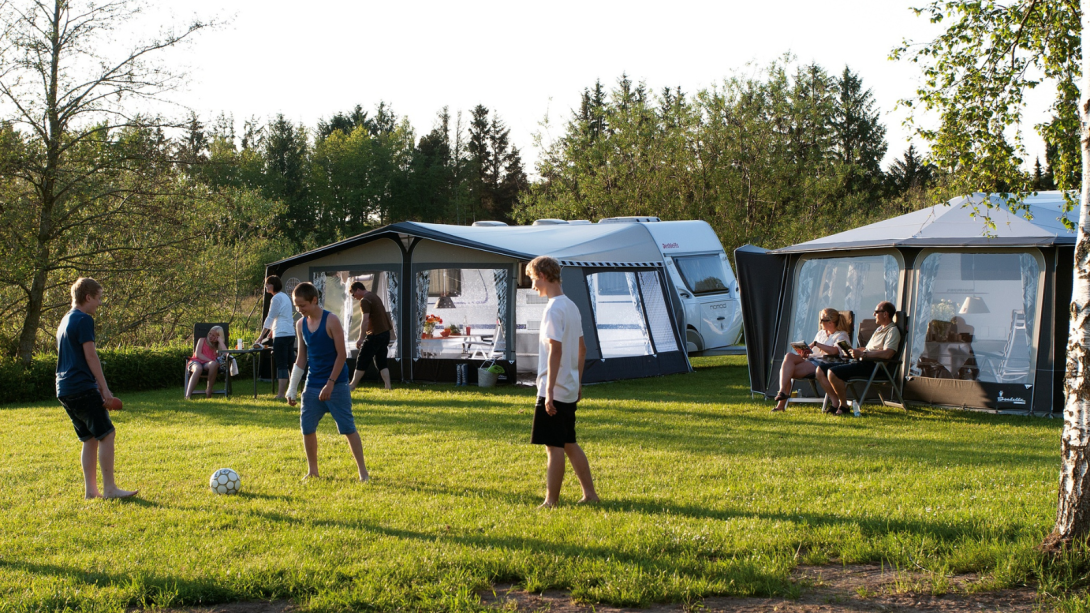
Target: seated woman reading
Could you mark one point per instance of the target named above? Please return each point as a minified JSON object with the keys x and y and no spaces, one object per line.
{"x":833,"y":327}
{"x":205,"y":359}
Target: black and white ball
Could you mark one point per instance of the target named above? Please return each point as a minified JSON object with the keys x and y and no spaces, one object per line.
{"x":225,"y":481}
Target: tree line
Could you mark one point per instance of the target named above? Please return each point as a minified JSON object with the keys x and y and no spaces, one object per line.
{"x":356,"y":171}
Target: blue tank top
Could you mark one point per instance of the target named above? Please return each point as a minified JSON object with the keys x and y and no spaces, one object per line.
{"x":321,"y":354}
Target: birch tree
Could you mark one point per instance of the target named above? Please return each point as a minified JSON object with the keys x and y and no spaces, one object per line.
{"x":87,"y":172}
{"x":976,"y":74}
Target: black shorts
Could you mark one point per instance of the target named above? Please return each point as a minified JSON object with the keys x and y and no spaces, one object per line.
{"x":375,"y":347}
{"x":553,"y":430}
{"x":89,"y":417}
{"x":284,"y":355}
{"x":854,"y":370}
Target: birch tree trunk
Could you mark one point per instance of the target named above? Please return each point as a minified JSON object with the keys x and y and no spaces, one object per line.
{"x":1073,"y":512}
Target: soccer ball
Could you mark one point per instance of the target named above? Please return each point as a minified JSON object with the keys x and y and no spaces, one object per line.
{"x":225,"y":481}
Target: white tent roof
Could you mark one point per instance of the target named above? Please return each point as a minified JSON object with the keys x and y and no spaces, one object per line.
{"x":958,"y":223}
{"x":584,"y":244}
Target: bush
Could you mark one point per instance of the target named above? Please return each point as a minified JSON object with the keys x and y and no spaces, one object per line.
{"x":126,"y":370}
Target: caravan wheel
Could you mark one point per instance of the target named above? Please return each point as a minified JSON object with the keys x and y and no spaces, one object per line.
{"x":693,"y":341}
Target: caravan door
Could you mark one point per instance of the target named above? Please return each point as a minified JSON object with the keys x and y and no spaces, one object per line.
{"x":712,"y":303}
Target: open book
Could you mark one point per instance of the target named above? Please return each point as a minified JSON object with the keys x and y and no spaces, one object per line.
{"x":845,"y":347}
{"x":801,"y":348}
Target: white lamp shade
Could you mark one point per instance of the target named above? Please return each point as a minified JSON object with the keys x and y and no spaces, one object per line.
{"x":973,"y":304}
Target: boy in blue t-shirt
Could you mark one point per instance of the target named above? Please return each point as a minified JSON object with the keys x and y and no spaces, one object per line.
{"x":82,"y":390}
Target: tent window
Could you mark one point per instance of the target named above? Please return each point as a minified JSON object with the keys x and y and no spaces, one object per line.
{"x":703,"y":274}
{"x":853,"y":284}
{"x":445,"y":282}
{"x":975,"y":317}
{"x":612,"y":284}
{"x":480,"y":304}
{"x":619,"y":318}
{"x":337,"y":299}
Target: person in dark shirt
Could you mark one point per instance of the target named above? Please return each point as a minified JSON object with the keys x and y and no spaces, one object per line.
{"x":374,"y":340}
{"x":82,"y":390}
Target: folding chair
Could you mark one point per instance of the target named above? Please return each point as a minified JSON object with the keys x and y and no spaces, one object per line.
{"x":884,"y":371}
{"x":812,"y":379}
{"x":489,"y":349}
{"x":223,"y":373}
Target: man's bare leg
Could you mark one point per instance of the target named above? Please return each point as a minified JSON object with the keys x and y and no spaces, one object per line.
{"x":310,"y":446}
{"x":554,"y":476}
{"x":356,"y":446}
{"x":581,"y":467}
{"x":357,"y":376}
{"x":385,"y":374}
{"x":89,"y":460}
{"x":841,"y":391}
{"x":282,"y":389}
{"x":106,"y":461}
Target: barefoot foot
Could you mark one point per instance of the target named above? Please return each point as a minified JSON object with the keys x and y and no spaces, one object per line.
{"x":547,"y":505}
{"x":119,"y":494}
{"x":309,"y":476}
{"x":588,"y":500}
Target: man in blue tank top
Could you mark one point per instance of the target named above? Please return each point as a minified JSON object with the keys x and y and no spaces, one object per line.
{"x":321,"y":351}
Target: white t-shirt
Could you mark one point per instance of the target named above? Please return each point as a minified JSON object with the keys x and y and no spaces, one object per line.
{"x":825,"y":338}
{"x":562,"y":322}
{"x":279,"y":319}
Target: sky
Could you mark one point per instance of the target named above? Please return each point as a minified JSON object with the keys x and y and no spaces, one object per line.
{"x":309,"y":60}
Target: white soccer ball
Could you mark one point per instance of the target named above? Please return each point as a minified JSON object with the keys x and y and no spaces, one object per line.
{"x":225,"y":481}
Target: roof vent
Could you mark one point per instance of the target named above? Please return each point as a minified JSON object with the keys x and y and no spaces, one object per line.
{"x":550,"y":222}
{"x":579,"y":222}
{"x":631,"y":219}
{"x":488,"y":224}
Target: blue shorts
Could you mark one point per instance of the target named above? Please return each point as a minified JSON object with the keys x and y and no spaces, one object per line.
{"x":339,"y":406}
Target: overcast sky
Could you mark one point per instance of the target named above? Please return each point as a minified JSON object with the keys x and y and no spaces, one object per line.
{"x":309,"y":60}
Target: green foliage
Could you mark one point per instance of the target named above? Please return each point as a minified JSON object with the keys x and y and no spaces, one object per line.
{"x":126,"y":370}
{"x":782,"y":156}
{"x":976,"y":74}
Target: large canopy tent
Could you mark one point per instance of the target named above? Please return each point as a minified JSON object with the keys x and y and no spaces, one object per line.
{"x":987,"y":308}
{"x":474,"y":276}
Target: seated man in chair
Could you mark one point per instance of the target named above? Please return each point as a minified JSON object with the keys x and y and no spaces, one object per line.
{"x":883,"y":345}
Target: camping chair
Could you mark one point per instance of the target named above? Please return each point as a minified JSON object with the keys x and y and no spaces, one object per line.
{"x":224,"y":373}
{"x":488,"y":349}
{"x":883,"y":373}
{"x":812,"y":379}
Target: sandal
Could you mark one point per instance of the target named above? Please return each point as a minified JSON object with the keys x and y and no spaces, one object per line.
{"x":780,"y":397}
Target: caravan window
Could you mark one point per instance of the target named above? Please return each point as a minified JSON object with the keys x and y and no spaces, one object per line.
{"x":976,"y":317}
{"x":445,"y":282}
{"x":703,"y":274}
{"x":853,"y":284}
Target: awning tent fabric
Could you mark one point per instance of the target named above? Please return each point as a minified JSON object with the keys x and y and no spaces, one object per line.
{"x":581,"y":249}
{"x":603,"y":244}
{"x":957,"y":227}
{"x":960,"y":223}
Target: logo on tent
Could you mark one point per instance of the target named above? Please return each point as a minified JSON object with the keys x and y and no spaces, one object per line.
{"x":671,"y":246}
{"x":1011,"y":400}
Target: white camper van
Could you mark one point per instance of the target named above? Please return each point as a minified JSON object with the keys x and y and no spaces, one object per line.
{"x":703,"y":277}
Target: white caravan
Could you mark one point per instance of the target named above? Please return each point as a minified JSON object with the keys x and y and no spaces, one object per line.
{"x":700,"y":271}
{"x":703,"y":277}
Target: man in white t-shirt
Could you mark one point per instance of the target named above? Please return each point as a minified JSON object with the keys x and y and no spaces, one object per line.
{"x":561,"y":353}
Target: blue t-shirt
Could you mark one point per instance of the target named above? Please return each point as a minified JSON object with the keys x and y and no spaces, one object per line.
{"x":73,"y":373}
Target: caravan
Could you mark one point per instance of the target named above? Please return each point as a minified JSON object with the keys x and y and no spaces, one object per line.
{"x":699,"y":269}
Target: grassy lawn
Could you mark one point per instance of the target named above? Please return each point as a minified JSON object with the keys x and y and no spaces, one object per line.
{"x":706,"y":493}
